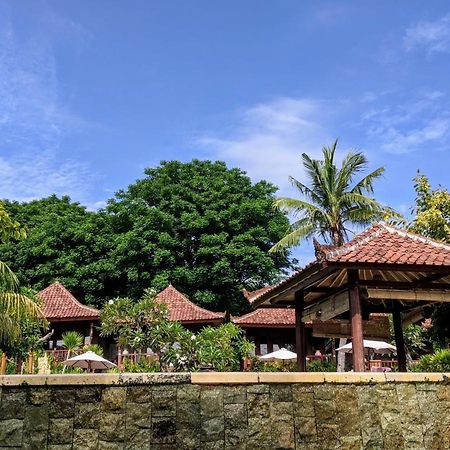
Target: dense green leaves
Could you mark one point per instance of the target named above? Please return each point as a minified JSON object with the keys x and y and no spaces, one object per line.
{"x":199,"y":225}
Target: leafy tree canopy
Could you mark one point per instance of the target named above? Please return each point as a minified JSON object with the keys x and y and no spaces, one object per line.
{"x":203,"y":227}
{"x":64,"y":242}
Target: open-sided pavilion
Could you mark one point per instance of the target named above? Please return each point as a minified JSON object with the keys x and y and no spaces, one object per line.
{"x":382,"y":270}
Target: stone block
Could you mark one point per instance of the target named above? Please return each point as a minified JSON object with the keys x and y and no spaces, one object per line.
{"x":188,"y":415}
{"x":327,"y":436}
{"x":111,"y":427}
{"x":164,"y":401}
{"x":283,"y":434}
{"x":303,"y":404}
{"x":280,"y":393}
{"x":13,"y":404}
{"x":258,"y":389}
{"x":406,"y":392}
{"x":212,"y":429}
{"x":138,"y":439}
{"x":188,"y":393}
{"x":60,"y":431}
{"x":35,"y":441}
{"x":85,"y":439}
{"x":259,"y":433}
{"x":114,"y":399}
{"x":324,"y":410}
{"x":187,"y":439}
{"x":38,"y":396}
{"x":234,"y":394}
{"x":163,"y":430}
{"x":106,"y":445}
{"x":235,"y":415}
{"x":59,"y":447}
{"x":282,"y":410}
{"x":325,"y":391}
{"x":351,"y":443}
{"x":86,"y":415}
{"x":211,"y":401}
{"x":11,"y":432}
{"x":138,"y":416}
{"x":89,"y":394}
{"x":62,"y":403}
{"x":305,"y":429}
{"x":258,"y":405}
{"x":36,"y":420}
{"x":139,"y":394}
{"x":236,"y":438}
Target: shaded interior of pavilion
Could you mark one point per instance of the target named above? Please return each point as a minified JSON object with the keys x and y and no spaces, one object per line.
{"x":382,"y":270}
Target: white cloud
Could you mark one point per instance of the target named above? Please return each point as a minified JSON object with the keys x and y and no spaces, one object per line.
{"x":409,"y":125}
{"x":267,"y":139}
{"x":433,"y":36}
{"x":33,"y":122}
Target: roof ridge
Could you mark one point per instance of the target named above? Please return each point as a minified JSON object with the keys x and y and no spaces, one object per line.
{"x":71,"y":296}
{"x":171,"y":287}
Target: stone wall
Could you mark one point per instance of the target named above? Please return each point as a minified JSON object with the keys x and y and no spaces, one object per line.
{"x":225,"y":411}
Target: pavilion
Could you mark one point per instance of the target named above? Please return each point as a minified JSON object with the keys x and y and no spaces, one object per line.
{"x":382,"y":270}
{"x":66,"y":313}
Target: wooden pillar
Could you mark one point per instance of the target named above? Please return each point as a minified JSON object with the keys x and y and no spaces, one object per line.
{"x":356,"y":321}
{"x":91,"y":333}
{"x":3,"y":364}
{"x":300,"y":336}
{"x":269,"y":343}
{"x":399,"y":341}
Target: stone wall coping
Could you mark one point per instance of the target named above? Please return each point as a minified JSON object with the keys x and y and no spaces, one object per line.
{"x":216,"y":378}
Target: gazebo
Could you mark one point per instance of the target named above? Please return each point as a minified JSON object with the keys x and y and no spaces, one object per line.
{"x":382,"y":270}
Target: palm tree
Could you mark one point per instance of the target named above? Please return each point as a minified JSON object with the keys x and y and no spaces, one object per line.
{"x":14,"y":306}
{"x":71,"y":341}
{"x":333,"y":201}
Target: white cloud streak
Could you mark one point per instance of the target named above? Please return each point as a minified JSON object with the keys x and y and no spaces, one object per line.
{"x":33,"y":122}
{"x":433,"y":36}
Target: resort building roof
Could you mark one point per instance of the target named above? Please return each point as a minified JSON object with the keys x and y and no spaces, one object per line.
{"x":60,"y":305}
{"x":183,"y":310}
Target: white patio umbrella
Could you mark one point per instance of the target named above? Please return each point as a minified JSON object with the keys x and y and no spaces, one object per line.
{"x":380,"y":347}
{"x":90,"y":361}
{"x":282,"y":355}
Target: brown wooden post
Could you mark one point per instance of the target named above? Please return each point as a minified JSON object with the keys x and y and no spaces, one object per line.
{"x":399,"y":341}
{"x":3,"y":364}
{"x":356,"y":320}
{"x":91,"y":333}
{"x":300,"y":336}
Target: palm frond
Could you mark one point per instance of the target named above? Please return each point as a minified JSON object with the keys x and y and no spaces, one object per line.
{"x":294,"y":237}
{"x":366,"y":184}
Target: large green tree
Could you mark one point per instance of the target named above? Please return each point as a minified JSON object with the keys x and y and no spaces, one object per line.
{"x":432,"y":219}
{"x":64,"y":242}
{"x":332,"y":200}
{"x":203,"y":227}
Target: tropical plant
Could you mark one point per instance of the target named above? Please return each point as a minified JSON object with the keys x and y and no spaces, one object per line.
{"x":439,"y":361}
{"x":333,"y":201}
{"x":72,"y":340}
{"x":14,"y":305}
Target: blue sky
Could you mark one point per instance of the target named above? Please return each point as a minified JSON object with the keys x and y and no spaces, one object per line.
{"x":91,"y":92}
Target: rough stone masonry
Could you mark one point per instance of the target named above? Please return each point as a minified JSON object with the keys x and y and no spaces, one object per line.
{"x":224,"y":411}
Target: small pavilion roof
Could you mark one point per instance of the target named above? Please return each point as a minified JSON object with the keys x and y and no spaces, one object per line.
{"x":252,"y":295}
{"x":183,"y":310}
{"x":384,"y":256}
{"x":60,"y":305}
{"x":267,"y":318}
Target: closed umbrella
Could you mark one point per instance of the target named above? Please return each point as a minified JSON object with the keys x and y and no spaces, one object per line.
{"x":281,"y":355}
{"x":380,"y":347}
{"x":90,"y":361}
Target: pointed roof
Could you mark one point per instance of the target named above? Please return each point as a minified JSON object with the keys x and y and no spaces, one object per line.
{"x":183,"y":310}
{"x":60,"y":305}
{"x":380,"y":247}
{"x":267,"y":318}
{"x":384,"y":244}
{"x":251,"y":295}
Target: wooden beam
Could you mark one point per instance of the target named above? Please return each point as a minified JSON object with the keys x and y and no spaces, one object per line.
{"x":300,"y":332}
{"x":378,"y":329}
{"x":413,"y":316}
{"x":414,"y":295}
{"x":356,"y":320}
{"x":327,"y":309}
{"x":399,"y":341}
{"x":403,"y":285}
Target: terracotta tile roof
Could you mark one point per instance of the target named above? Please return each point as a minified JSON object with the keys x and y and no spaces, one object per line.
{"x":267,"y":317}
{"x":183,"y":310}
{"x":59,"y":304}
{"x":251,"y":295}
{"x":383,"y":244}
{"x":380,"y":244}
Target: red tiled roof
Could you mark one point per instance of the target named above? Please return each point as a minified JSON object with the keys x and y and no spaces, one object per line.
{"x":267,"y":317}
{"x":251,"y":295}
{"x":183,"y":310}
{"x":60,"y":304}
{"x":383,"y":244}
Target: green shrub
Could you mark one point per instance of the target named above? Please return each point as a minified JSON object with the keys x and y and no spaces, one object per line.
{"x":321,"y":366}
{"x":439,"y":361}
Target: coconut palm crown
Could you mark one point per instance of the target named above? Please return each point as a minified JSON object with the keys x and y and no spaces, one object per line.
{"x":333,"y":201}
